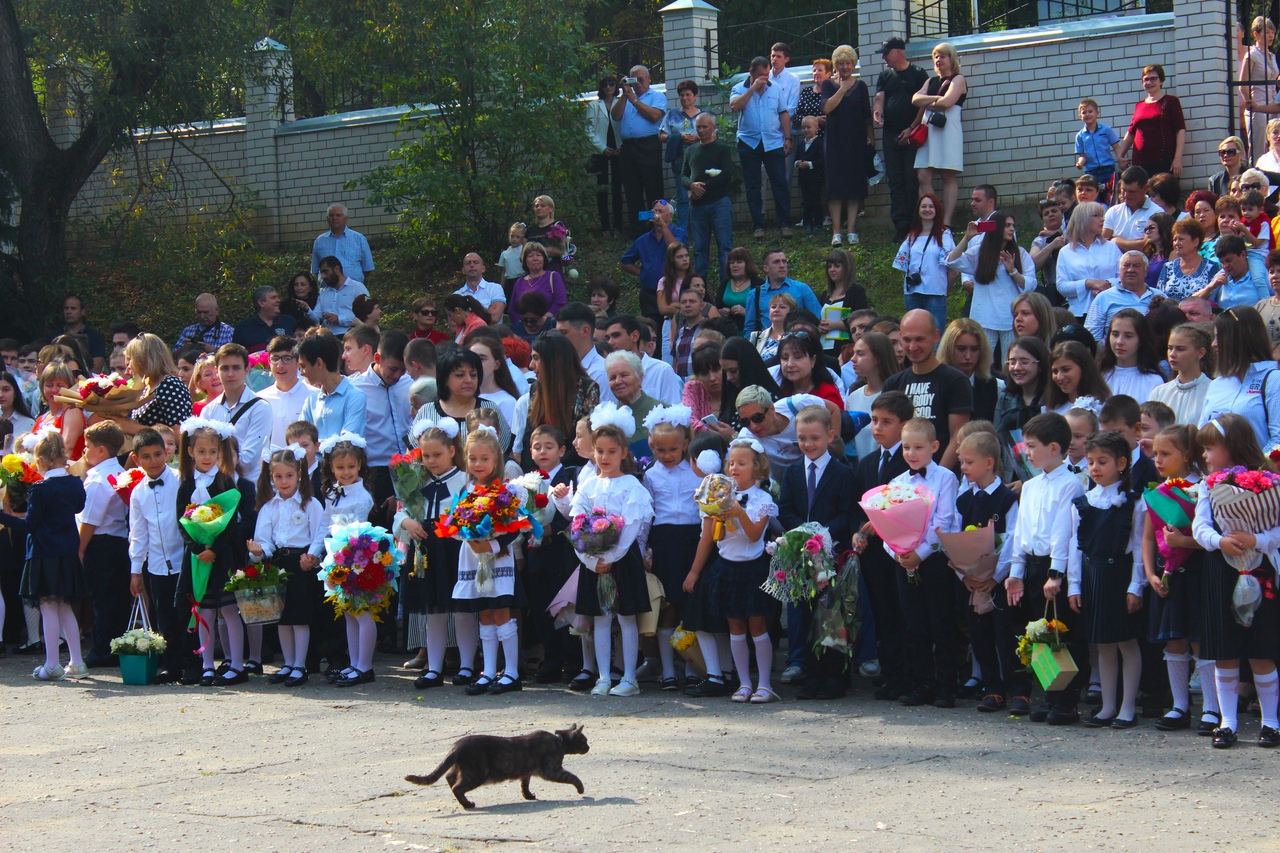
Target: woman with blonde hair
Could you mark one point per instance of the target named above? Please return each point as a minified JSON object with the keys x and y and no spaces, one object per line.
{"x":550,"y":232}
{"x":1087,"y":265}
{"x":849,"y":132}
{"x":169,"y":401}
{"x":942,"y":98}
{"x":966,"y":347}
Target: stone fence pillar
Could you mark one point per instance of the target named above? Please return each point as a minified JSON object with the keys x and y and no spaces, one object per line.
{"x":267,"y":105}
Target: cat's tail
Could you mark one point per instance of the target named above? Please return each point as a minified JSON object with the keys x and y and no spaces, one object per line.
{"x":434,"y":774}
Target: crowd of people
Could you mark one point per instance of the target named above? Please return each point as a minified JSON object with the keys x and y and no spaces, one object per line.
{"x":1132,"y":345}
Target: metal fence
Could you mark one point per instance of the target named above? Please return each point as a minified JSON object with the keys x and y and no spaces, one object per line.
{"x":808,"y":36}
{"x":619,"y":57}
{"x":935,"y":19}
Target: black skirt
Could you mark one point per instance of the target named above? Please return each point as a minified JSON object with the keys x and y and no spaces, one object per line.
{"x":303,"y":591}
{"x":735,"y":588}
{"x":1223,"y":637}
{"x":214,"y":594}
{"x":674,"y":546}
{"x":1177,"y":616}
{"x":45,"y":578}
{"x":1104,"y":586}
{"x":696,"y":614}
{"x":433,"y":591}
{"x":633,"y":589}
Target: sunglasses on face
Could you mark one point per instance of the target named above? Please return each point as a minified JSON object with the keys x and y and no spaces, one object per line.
{"x":1247,"y":187}
{"x":427,"y":312}
{"x":757,"y":418}
{"x":1229,"y":152}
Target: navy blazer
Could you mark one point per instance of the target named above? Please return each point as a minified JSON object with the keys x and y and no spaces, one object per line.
{"x":833,"y":500}
{"x":50,"y":524}
{"x":866,"y":477}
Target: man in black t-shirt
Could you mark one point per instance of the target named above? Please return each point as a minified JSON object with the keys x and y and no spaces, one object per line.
{"x":938,"y":391}
{"x":893,"y":112}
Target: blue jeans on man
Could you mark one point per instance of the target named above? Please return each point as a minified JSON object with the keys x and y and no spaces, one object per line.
{"x":775,"y":165}
{"x":704,"y":219}
{"x":682,"y":195}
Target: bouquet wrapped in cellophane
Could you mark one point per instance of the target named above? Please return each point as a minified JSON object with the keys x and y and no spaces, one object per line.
{"x":483,"y":513}
{"x":1245,"y":501}
{"x":595,"y":533}
{"x":714,"y":496}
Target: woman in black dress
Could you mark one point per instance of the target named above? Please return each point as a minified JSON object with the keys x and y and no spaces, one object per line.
{"x":849,"y":131}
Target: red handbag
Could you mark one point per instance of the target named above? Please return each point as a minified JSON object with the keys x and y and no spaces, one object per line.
{"x":919,"y":135}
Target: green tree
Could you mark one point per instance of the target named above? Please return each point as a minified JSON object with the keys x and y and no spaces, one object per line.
{"x":502,"y":77}
{"x":118,"y":64}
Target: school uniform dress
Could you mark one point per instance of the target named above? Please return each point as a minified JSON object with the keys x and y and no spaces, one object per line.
{"x":228,"y":547}
{"x":993,"y":634}
{"x":106,"y":558}
{"x":1105,"y":562}
{"x":677,"y":526}
{"x":549,"y":566}
{"x":52,"y":571}
{"x":287,"y":529}
{"x":346,"y":504}
{"x":1179,"y":615}
{"x":508,"y":590}
{"x":431,"y":568}
{"x":1222,"y":638}
{"x":734,"y":579}
{"x":626,"y":496}
{"x":879,"y":571}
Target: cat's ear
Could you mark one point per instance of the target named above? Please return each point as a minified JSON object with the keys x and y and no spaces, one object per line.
{"x":576,"y":727}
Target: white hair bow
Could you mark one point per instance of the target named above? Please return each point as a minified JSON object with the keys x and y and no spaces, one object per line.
{"x":484,"y":428}
{"x":350,"y":437}
{"x":611,"y":414}
{"x":744,"y":441}
{"x":195,"y":422}
{"x":708,"y":462}
{"x":680,"y":416}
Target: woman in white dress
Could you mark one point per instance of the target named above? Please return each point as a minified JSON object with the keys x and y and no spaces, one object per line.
{"x":942,"y":97}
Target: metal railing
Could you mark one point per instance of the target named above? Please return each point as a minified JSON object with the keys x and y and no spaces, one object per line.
{"x":808,"y":36}
{"x":935,"y":19}
{"x":619,"y":57}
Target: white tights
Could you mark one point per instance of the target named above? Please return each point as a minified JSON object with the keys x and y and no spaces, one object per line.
{"x":59,"y":618}
{"x":603,"y":634}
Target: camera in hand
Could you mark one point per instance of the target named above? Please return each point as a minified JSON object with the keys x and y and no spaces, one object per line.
{"x":629,"y":81}
{"x":645,"y":216}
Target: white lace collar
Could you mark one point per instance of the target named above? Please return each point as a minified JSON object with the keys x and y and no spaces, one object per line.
{"x":1106,"y":497}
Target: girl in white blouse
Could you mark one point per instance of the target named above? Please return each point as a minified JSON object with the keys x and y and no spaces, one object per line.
{"x":734,"y":579}
{"x":616,"y":491}
{"x":290,"y":535}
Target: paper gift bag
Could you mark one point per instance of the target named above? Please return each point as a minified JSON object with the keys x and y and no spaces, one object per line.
{"x":648,"y":622}
{"x":1054,"y":669}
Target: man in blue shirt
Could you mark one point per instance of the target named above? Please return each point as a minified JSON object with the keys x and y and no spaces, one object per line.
{"x":348,"y":246}
{"x":639,"y":113}
{"x":339,"y":405}
{"x":1235,"y":284}
{"x":648,"y":254}
{"x":775,"y":265}
{"x":764,"y":139}
{"x":1132,"y":293}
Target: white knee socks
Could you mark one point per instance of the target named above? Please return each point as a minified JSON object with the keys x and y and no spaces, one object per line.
{"x":301,"y":643}
{"x":726,"y":656}
{"x":255,"y":643}
{"x":1208,"y":686}
{"x":1179,"y":666}
{"x":741,"y":658}
{"x":710,"y":654}
{"x":489,"y":649}
{"x":437,"y":641}
{"x":368,"y":630}
{"x":49,"y":615}
{"x":665,"y":653}
{"x":287,"y":645}
{"x":603,"y":636}
{"x":353,"y":643}
{"x":235,"y":635}
{"x":1268,"y":687}
{"x":466,"y":630}
{"x":1108,"y":669}
{"x":1228,"y":679}
{"x":764,"y":661}
{"x":1130,"y":675}
{"x":205,"y":632}
{"x":508,"y":634}
{"x":589,"y":653}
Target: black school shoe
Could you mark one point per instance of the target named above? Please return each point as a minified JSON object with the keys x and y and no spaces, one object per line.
{"x":711,"y":688}
{"x":1268,"y":738}
{"x":1175,"y":720}
{"x":1206,"y":728}
{"x":253,"y":667}
{"x":506,"y":684}
{"x":583,"y":681}
{"x":1224,"y":738}
{"x":1020,"y":706}
{"x":549,"y":674}
{"x":464,"y":676}
{"x":991,"y":703}
{"x":920,"y":696}
{"x":1066,"y":717}
{"x":429,"y":679}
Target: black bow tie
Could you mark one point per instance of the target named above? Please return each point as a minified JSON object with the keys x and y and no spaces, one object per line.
{"x":921,"y":473}
{"x":155,"y":484}
{"x":340,"y":492}
{"x":436,"y":492}
{"x":1075,"y":469}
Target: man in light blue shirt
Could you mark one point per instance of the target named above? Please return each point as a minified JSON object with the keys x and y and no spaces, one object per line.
{"x":775,"y":264}
{"x":639,"y":113}
{"x":341,"y":242}
{"x":764,"y":140}
{"x":487,"y":293}
{"x":333,"y":305}
{"x":1131,"y":293}
{"x":339,"y":405}
{"x":1235,"y":284}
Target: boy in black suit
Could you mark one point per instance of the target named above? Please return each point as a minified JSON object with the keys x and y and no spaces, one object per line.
{"x":889,"y":412}
{"x":818,"y":488}
{"x":811,"y":168}
{"x":550,"y":563}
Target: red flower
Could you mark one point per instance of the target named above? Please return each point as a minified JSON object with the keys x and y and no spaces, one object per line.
{"x":251,"y":572}
{"x":543,"y":474}
{"x":540,"y":501}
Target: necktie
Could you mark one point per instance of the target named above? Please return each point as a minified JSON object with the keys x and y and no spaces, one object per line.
{"x":813,"y":483}
{"x":155,"y":484}
{"x":884,"y":463}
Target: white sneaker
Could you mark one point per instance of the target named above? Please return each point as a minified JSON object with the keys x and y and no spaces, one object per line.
{"x":81,"y":671}
{"x":792,"y":674}
{"x":601,"y":688}
{"x":1195,"y":682}
{"x":851,"y":238}
{"x":870,"y":669}
{"x":836,"y":240}
{"x":625,"y":688}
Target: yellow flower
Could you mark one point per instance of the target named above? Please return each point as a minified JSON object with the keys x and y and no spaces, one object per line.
{"x":13,"y":464}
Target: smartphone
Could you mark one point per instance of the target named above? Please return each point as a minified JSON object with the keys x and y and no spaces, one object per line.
{"x":711,"y":421}
{"x":645,"y":216}
{"x":986,"y":226}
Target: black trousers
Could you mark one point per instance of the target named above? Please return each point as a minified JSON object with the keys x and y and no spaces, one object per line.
{"x":994,"y":642}
{"x":170,"y":618}
{"x":641,"y":164}
{"x":879,"y":572}
{"x":1032,"y":608}
{"x":608,"y":174}
{"x":106,"y":567}
{"x":811,"y":186}
{"x":900,"y":175}
{"x":932,"y":635}
{"x":547,"y":573}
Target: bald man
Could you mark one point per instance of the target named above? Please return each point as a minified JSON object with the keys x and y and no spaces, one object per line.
{"x":938,"y":391}
{"x":488,"y":294}
{"x":208,"y":332}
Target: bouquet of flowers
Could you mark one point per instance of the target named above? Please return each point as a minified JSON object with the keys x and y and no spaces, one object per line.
{"x":1021,"y":462}
{"x":204,"y":523}
{"x":802,"y":563}
{"x":538,"y":504}
{"x":18,"y":473}
{"x":837,"y":618}
{"x":686,"y":644}
{"x":1171,"y":504}
{"x":714,"y":497}
{"x":125,"y":482}
{"x":139,"y":641}
{"x":594,"y":533}
{"x":974,"y":552}
{"x":359,"y":569}
{"x":899,"y":514}
{"x":1041,"y":649}
{"x":109,"y":395}
{"x":408,"y":476}
{"x":484,"y":513}
{"x":259,"y":592}
{"x":259,"y":375}
{"x":1244,"y":500}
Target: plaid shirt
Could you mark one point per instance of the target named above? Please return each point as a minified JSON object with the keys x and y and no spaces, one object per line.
{"x":215,"y":336}
{"x":683,"y":360}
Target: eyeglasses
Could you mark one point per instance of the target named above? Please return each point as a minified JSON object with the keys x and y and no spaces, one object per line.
{"x":282,"y":359}
{"x":1022,"y":362}
{"x":757,"y":418}
{"x":1247,"y":187}
{"x":1228,"y":152}
{"x":426,"y":312}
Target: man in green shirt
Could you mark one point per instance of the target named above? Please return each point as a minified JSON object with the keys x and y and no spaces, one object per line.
{"x":708,"y":172}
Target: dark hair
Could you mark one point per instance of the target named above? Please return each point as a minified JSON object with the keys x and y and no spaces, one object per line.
{"x":312,"y":291}
{"x":19,"y":402}
{"x":420,"y":351}
{"x":687,"y":86}
{"x":895,"y":403}
{"x":988,"y":190}
{"x":455,"y":301}
{"x":532,"y":302}
{"x":282,"y":343}
{"x":1229,"y":244}
{"x":758,"y":62}
{"x":577,"y":314}
{"x":501,"y":373}
{"x":781,"y":47}
{"x":1164,"y":234}
{"x":1091,"y":382}
{"x":1049,"y":428}
{"x":707,"y":440}
{"x":1038,"y":350}
{"x":1148,"y":357}
{"x":669,"y":280}
{"x":705,"y":359}
{"x":1273,"y":258}
{"x":751,"y":369}
{"x":362,"y":306}
{"x":266,"y":489}
{"x":331,"y":262}
{"x":1162,"y":414}
{"x":1186,"y":437}
{"x":1206,"y":196}
{"x":602,"y":284}
{"x":1134,"y":175}
{"x":392,"y":345}
{"x":552,"y":432}
{"x":848,"y":279}
{"x":329,"y":483}
{"x":1165,"y":187}
{"x":319,"y":344}
{"x":740,"y":253}
{"x":1242,"y":340}
{"x":1116,"y":446}
{"x":552,"y":401}
{"x":805,"y":344}
{"x":630,"y":325}
{"x":1237,"y":435}
{"x":127,"y":328}
{"x":917,"y":224}
{"x":362,"y":335}
{"x":232,"y":351}
{"x":1121,"y":407}
{"x":605,"y":80}
{"x":991,"y":247}
{"x":448,"y":360}
{"x":1074,"y":333}
{"x":882,"y":351}
{"x":1159,"y":72}
{"x":147,"y":437}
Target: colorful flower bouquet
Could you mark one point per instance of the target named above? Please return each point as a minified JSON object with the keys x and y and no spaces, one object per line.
{"x":1021,"y":462}
{"x":714,"y":497}
{"x":18,"y":473}
{"x":1171,"y":504}
{"x":408,"y":476}
{"x":359,"y":569}
{"x":259,"y":375}
{"x":899,"y":514}
{"x":484,"y":513}
{"x":125,"y":482}
{"x":259,"y":592}
{"x":802,"y":563}
{"x":1244,"y":500}
{"x":204,"y":523}
{"x":594,"y":533}
{"x":108,"y":395}
{"x":974,"y":552}
{"x":537,"y":484}
{"x":686,"y":645}
{"x":1041,"y":649}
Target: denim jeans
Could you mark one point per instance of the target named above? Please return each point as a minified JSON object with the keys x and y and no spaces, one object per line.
{"x":704,"y":219}
{"x":775,"y":165}
{"x":682,"y":196}
{"x":935,"y":305}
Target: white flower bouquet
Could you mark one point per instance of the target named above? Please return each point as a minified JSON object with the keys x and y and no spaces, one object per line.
{"x":139,"y":641}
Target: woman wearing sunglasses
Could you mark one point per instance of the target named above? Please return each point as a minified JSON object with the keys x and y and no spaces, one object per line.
{"x":773,"y":424}
{"x":425,"y":315}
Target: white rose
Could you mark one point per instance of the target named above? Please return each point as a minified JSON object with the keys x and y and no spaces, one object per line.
{"x":143,"y":644}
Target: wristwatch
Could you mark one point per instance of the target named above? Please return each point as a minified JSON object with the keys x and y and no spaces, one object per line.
{"x":1055,"y":575}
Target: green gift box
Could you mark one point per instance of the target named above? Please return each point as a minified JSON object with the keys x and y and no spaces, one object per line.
{"x":1055,"y":669}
